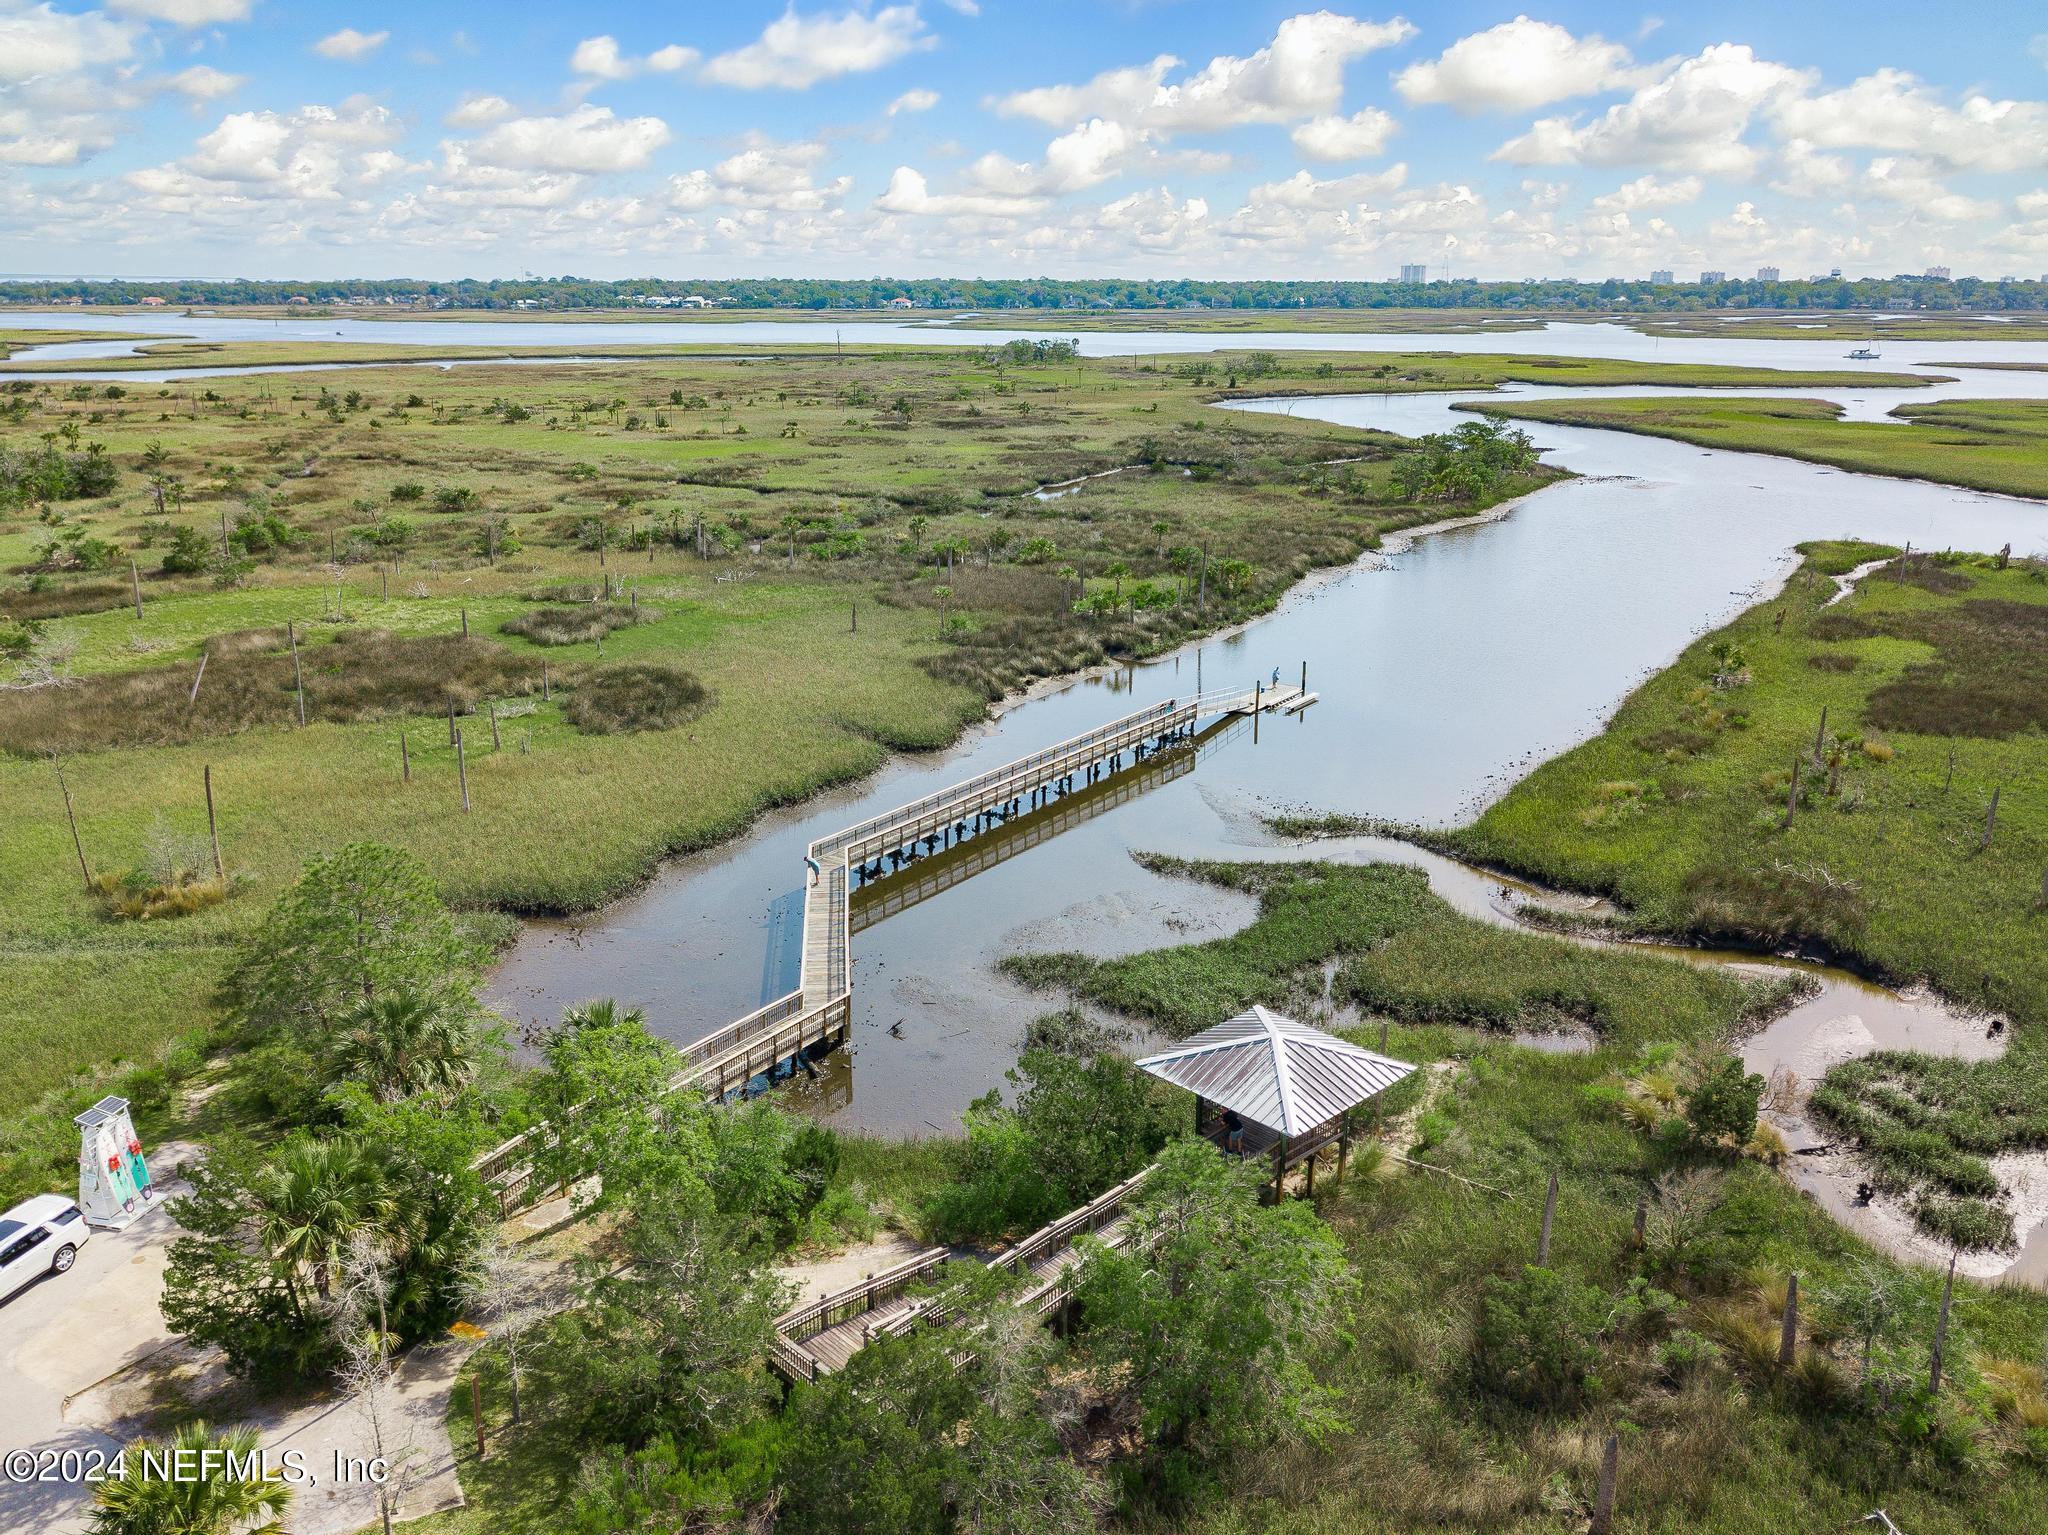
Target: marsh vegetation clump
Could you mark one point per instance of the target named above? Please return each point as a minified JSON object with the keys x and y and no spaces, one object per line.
{"x":357,"y":675}
{"x":1775,"y":903}
{"x":1928,"y":1126}
{"x":575,"y":625}
{"x":1989,"y":677}
{"x":633,"y":696}
{"x":174,"y":878}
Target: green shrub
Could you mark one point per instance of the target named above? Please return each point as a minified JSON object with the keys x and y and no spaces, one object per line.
{"x":1538,"y":1341}
{"x":1722,"y":1104}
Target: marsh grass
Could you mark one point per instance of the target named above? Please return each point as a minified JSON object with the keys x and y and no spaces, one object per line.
{"x":358,"y":675}
{"x":1993,"y":445}
{"x":578,"y":625}
{"x":1309,"y":914}
{"x":1403,"y":954}
{"x":61,"y":601}
{"x":1449,"y":969}
{"x":636,"y":695}
{"x":138,"y":896}
{"x":1892,"y":870}
{"x":1928,"y":1125}
{"x":1989,"y":676}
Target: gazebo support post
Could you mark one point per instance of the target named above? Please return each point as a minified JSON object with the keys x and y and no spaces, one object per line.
{"x":1344,"y":1134}
{"x":1280,"y":1170}
{"x":1311,"y":1175}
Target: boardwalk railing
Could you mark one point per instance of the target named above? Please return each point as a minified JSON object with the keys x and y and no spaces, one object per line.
{"x":1047,"y":1254}
{"x":828,"y":1311}
{"x":820,"y":1010}
{"x":1098,"y":742}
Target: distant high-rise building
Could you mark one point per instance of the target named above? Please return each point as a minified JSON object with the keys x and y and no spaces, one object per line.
{"x":1707,"y":277}
{"x":1661,"y":275}
{"x":1938,"y":273}
{"x":1766,"y":274}
{"x":1414,"y":271}
{"x":1834,"y":274}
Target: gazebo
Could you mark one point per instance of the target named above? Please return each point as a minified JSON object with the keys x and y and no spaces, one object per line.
{"x":1293,"y":1086}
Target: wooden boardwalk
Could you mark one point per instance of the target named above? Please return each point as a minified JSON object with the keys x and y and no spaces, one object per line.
{"x":819,"y":1013}
{"x":820,"y":1337}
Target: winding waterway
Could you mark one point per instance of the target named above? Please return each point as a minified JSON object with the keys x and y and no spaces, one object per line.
{"x":1447,"y":668}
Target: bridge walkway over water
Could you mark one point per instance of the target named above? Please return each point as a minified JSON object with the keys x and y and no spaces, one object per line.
{"x":819,"y":1012}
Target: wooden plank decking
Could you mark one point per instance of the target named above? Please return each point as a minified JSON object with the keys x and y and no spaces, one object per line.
{"x":820,"y":1337}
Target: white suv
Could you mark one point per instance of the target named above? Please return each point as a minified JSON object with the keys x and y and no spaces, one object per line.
{"x":39,"y":1236}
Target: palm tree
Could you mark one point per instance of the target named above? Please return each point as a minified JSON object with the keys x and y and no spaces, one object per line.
{"x":942,"y":593}
{"x":218,"y":1500}
{"x":311,"y":1197}
{"x":603,"y":1013}
{"x":1117,"y":570}
{"x":406,"y":1043}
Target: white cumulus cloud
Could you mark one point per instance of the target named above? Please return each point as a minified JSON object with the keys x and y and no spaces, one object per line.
{"x":795,"y":52}
{"x":479,"y":112}
{"x":42,"y":42}
{"x":1893,"y":109}
{"x":1357,"y":137}
{"x":1299,"y":74}
{"x":919,"y":100}
{"x":1691,"y":120}
{"x":185,"y":13}
{"x":589,"y":139}
{"x":349,"y":45}
{"x":1648,"y":192}
{"x":909,"y":193}
{"x":1517,"y":65}
{"x":202,"y":82}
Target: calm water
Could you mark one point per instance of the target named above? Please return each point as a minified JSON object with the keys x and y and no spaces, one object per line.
{"x":1447,"y":671}
{"x":1557,"y":340}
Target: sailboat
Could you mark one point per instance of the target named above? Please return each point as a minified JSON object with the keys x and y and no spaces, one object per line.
{"x":1867,"y":352}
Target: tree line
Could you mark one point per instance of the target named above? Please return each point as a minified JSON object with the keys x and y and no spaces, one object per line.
{"x":1041,"y":293}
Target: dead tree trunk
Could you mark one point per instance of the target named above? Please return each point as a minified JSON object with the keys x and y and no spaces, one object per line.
{"x":1603,"y":1494}
{"x":1549,"y":1215}
{"x":71,"y":815}
{"x":220,"y":871}
{"x":298,"y":678}
{"x":1948,"y":1291}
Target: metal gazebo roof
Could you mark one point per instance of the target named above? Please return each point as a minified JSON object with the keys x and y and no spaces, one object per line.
{"x":1276,"y":1072}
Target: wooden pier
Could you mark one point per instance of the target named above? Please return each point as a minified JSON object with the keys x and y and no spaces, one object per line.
{"x":817,"y":1338}
{"x":819,"y":1013}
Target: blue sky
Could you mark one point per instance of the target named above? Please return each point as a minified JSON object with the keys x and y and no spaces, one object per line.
{"x":1000,"y":138}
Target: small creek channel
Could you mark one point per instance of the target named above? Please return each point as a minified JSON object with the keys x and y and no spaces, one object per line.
{"x":1448,"y":666}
